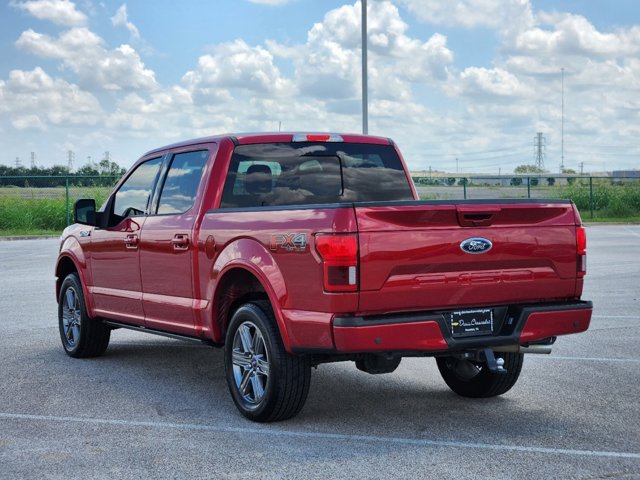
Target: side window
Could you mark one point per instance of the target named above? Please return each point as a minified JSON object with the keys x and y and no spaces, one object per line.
{"x":181,"y":185}
{"x":133,"y":196}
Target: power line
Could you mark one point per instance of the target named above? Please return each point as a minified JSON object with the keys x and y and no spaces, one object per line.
{"x":460,"y":153}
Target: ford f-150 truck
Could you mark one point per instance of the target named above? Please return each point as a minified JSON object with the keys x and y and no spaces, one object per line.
{"x":292,"y":250}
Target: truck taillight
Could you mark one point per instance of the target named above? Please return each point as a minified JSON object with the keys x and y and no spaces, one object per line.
{"x":339,"y":254}
{"x":581,"y":244}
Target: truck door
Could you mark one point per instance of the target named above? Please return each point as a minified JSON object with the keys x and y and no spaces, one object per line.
{"x":167,"y":243}
{"x":113,"y":251}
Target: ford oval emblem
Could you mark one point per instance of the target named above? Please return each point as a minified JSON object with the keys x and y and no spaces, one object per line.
{"x":476,"y":245}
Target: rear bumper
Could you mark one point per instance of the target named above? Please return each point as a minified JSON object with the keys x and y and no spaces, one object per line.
{"x":429,"y":331}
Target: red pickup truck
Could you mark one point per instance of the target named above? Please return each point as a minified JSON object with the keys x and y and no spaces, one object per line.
{"x":292,"y":250}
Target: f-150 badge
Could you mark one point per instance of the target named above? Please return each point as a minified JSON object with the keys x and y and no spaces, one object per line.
{"x":291,"y":242}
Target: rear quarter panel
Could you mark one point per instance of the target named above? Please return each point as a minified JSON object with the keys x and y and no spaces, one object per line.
{"x":293,"y":278}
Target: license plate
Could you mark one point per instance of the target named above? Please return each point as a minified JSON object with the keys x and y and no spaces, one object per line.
{"x":469,"y":323}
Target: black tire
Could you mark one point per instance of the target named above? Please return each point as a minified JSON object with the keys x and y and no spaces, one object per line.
{"x":281,"y":392}
{"x":475,"y":380}
{"x":81,"y":336}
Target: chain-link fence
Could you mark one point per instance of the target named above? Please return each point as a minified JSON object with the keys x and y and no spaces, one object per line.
{"x":596,"y":197}
{"x":45,"y":203}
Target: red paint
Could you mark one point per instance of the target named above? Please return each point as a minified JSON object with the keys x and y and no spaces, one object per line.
{"x":166,"y":271}
{"x":541,"y":325}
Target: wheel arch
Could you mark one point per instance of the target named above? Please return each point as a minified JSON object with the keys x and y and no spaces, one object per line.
{"x":243,"y":272}
{"x":72,"y":260}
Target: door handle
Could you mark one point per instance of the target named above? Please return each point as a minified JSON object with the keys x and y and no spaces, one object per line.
{"x":180,"y":242}
{"x":131,"y":241}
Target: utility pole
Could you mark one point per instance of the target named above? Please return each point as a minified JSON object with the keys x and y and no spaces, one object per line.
{"x":18,"y":163}
{"x":33,"y":160}
{"x":581,"y":168}
{"x":107,"y":156}
{"x":539,"y":145}
{"x":562,"y":127}
{"x":70,"y":157}
{"x":365,"y":94}
{"x":456,"y":164}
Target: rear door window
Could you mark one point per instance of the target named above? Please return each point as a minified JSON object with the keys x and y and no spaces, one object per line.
{"x":312,"y":173}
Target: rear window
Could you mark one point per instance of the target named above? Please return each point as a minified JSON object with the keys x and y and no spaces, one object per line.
{"x":311,"y":173}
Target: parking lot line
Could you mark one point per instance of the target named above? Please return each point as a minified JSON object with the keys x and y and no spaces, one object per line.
{"x":586,"y":359}
{"x":321,"y":436}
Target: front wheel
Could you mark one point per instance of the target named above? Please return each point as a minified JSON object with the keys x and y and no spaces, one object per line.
{"x":266,"y":383}
{"x":81,"y":335}
{"x":474,"y":379}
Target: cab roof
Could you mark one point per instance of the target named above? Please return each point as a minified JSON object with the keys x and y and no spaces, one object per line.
{"x":279,"y":137}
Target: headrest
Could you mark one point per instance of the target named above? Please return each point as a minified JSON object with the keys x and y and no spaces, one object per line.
{"x":258,"y":179}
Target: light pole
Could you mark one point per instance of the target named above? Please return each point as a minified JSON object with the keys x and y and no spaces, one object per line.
{"x":365,"y":99}
{"x":562,"y":127}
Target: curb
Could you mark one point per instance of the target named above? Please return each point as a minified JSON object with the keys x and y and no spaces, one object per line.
{"x":604,"y":224}
{"x":28,"y":237}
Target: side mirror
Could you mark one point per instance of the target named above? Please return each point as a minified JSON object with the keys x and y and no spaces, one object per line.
{"x":84,"y":212}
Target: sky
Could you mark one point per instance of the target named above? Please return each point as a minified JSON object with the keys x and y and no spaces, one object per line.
{"x":460,"y":86}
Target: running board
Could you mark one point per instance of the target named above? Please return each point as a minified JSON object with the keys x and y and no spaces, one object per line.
{"x":161,"y":333}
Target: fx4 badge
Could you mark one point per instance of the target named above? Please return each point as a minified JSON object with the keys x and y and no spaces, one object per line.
{"x":291,"y":242}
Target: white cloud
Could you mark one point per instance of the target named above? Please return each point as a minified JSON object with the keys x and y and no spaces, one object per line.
{"x":237,"y":65}
{"x":33,"y":100}
{"x":121,"y":19}
{"x":491,"y":83}
{"x":471,"y":13}
{"x":575,"y":35}
{"x":61,"y":12}
{"x":328,"y":66}
{"x":83,"y":52}
{"x":435,"y":108}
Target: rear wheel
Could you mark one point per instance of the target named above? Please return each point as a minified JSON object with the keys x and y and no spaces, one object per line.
{"x":266,"y":383}
{"x":474,"y":379}
{"x":81,"y":336}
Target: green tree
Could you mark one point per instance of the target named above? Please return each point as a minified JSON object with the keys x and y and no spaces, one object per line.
{"x":528,"y":169}
{"x":569,"y":171}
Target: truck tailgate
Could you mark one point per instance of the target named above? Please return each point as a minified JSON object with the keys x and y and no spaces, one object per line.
{"x":411,"y":256}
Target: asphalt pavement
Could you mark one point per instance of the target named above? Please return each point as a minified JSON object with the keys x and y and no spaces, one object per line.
{"x":157,"y":408}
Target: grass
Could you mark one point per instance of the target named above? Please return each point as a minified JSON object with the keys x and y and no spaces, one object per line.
{"x":28,"y":212}
{"x":610,"y":219}
{"x":35,"y":211}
